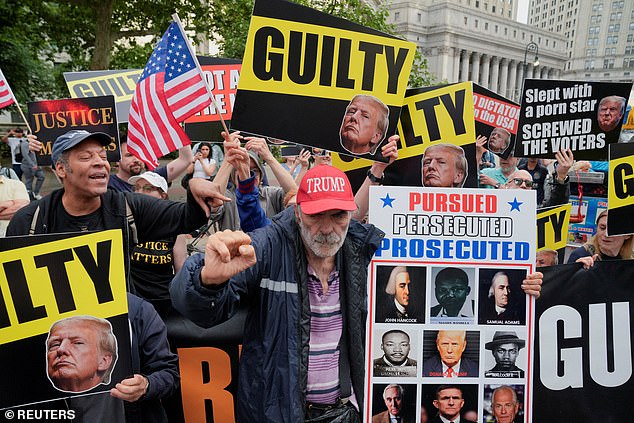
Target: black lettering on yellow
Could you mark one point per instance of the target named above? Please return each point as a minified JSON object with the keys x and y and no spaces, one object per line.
{"x":266,"y":68}
{"x":343,"y":65}
{"x":557,"y":221}
{"x":22,"y":302}
{"x":55,"y":264}
{"x":428,"y":107}
{"x":99,"y":271}
{"x":371,"y":50}
{"x":623,"y":181}
{"x":541,"y":231}
{"x":456,"y":111}
{"x":298,"y":53}
{"x":327,"y":60}
{"x":394,"y":67}
{"x":408,"y":128}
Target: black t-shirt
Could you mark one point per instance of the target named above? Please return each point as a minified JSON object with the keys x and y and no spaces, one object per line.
{"x":64,"y":222}
{"x":151,"y":271}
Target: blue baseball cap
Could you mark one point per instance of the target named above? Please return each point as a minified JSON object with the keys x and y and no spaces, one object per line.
{"x":71,"y":138}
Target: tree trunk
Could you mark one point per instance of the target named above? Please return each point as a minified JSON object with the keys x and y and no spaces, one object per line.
{"x":104,"y":37}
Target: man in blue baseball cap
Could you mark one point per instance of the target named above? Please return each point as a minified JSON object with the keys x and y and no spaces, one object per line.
{"x":85,"y":204}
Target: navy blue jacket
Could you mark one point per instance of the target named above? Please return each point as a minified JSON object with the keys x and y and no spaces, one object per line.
{"x":274,"y":361}
{"x":152,"y":358}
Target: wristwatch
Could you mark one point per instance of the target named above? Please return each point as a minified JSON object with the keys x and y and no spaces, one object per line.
{"x":374,"y":179}
{"x":496,"y":186}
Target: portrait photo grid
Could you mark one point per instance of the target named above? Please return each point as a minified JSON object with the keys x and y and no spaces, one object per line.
{"x":429,"y":315}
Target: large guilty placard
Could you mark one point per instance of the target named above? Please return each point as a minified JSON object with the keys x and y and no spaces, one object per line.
{"x":446,"y":306}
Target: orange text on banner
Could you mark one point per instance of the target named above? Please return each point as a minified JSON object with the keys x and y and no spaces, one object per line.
{"x":205,"y":375}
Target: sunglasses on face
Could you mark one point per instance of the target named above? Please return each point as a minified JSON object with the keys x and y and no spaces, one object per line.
{"x":519,"y":181}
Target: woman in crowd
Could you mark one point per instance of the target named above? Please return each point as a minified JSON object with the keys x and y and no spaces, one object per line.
{"x":603,"y":247}
{"x":203,"y":166}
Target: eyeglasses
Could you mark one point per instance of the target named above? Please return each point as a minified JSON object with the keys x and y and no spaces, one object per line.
{"x":146,"y":188}
{"x":519,"y":181}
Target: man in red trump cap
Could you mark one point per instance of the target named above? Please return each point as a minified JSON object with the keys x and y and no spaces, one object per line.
{"x":304,"y":278}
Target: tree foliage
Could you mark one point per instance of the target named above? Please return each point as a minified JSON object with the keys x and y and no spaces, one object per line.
{"x":231,"y":25}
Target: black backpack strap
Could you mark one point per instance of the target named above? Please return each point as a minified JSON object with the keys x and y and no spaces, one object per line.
{"x":131,"y":224}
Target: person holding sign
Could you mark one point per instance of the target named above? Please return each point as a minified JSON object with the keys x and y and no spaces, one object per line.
{"x":602,"y":246}
{"x":85,"y":203}
{"x":305,"y":278}
{"x":81,"y":352}
{"x":610,"y":112}
{"x":444,"y":165}
{"x":364,"y":124}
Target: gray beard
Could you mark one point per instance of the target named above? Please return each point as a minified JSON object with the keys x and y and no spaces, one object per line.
{"x":316,"y":244}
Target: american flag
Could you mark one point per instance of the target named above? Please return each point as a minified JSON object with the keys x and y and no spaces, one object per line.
{"x":6,"y":95}
{"x":171,"y":89}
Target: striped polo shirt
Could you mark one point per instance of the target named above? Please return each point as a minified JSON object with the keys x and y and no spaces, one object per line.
{"x":326,"y":324}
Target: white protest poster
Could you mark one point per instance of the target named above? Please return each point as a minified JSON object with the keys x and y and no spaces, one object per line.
{"x":446,"y":309}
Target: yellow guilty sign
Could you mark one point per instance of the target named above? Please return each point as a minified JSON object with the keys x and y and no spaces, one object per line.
{"x":441,"y":115}
{"x":295,"y":58}
{"x":121,"y":85}
{"x":552,"y":227}
{"x":621,"y":182}
{"x":43,"y":283}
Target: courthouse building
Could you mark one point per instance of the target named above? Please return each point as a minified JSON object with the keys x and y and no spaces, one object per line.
{"x":480,"y":41}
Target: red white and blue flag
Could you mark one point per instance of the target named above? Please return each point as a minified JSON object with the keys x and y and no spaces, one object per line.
{"x":171,"y":89}
{"x":6,"y":95}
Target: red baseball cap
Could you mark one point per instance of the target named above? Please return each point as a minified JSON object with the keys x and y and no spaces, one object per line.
{"x":324,"y":188}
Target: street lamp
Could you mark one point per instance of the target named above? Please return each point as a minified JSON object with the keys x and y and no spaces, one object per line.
{"x":532,"y":47}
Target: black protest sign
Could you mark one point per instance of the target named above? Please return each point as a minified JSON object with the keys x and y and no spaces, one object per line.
{"x":440,"y":118}
{"x":222,"y":76}
{"x":117,"y":83}
{"x":621,"y":190}
{"x":496,"y":119}
{"x":583,"y":344}
{"x":51,"y":118}
{"x":583,"y":116}
{"x":322,"y":81}
{"x":56,"y":290}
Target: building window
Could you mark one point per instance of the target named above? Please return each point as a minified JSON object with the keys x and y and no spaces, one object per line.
{"x":493,"y":9}
{"x":595,"y":19}
{"x":614,"y":27}
{"x":397,"y":16}
{"x":477,"y":3}
{"x":466,"y":20}
{"x":486,"y":26}
{"x":608,"y":64}
{"x":593,"y":30}
{"x":631,"y":26}
{"x":610,"y":51}
{"x":628,"y":62}
{"x":589,"y":64}
{"x":419,"y":17}
{"x":612,"y":39}
{"x":597,"y":7}
{"x":476,"y":23}
{"x":629,"y":49}
{"x":506,"y":31}
{"x":593,"y":41}
{"x":616,"y":16}
{"x":618,"y":4}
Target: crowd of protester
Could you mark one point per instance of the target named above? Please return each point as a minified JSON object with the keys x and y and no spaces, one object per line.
{"x":230,"y":190}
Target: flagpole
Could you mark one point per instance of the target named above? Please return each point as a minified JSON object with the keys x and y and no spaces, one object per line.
{"x":15,"y":100}
{"x":193,"y":53}
{"x":26,"y":122}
